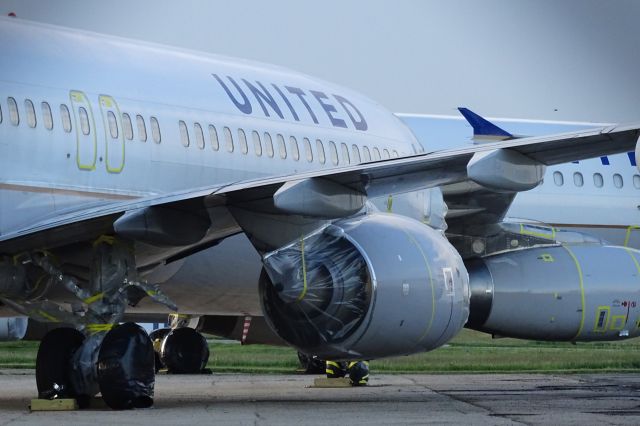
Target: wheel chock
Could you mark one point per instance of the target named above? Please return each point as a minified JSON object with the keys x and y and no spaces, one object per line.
{"x":340,"y":382}
{"x":63,"y":404}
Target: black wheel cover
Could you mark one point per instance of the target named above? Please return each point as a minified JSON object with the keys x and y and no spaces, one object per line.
{"x":52,"y":362}
{"x":126,"y":368}
{"x":185,"y":351}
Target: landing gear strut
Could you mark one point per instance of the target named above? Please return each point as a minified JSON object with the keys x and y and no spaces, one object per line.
{"x":98,"y":356}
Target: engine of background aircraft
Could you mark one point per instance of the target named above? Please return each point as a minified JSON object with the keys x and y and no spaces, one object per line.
{"x":13,"y":328}
{"x":577,"y":292}
{"x":373,"y":286}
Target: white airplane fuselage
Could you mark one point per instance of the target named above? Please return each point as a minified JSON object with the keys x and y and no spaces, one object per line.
{"x":241,"y":121}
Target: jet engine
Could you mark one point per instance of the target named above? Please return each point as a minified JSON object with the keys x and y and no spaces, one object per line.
{"x":571,"y":292}
{"x":367,"y":287}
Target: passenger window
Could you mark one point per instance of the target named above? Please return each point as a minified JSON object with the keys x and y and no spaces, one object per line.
{"x":243,"y":141}
{"x":197,"y":129}
{"x":385,"y":154}
{"x":307,"y":149}
{"x":366,"y":153}
{"x":293,"y":144}
{"x":617,"y":181}
{"x":14,"y":117}
{"x":184,"y":133}
{"x":268,"y":144}
{"x":558,"y":178}
{"x":228,"y":139}
{"x":598,"y":181}
{"x":356,"y":154}
{"x":636,"y":181}
{"x":113,"y":125}
{"x":282,"y":148}
{"x":127,"y":127}
{"x":84,"y":121}
{"x":142,"y":129}
{"x":213,"y":136}
{"x":31,"y":113}
{"x":155,"y":130}
{"x":345,"y":153}
{"x":66,"y":118}
{"x":47,"y":118}
{"x":257,"y":146}
{"x":578,"y":180}
{"x":394,"y":154}
{"x":320,"y":150}
{"x":376,"y":154}
{"x":334,"y":153}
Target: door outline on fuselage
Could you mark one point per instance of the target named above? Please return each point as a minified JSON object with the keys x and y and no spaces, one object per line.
{"x":79,"y":99}
{"x":107,"y":103}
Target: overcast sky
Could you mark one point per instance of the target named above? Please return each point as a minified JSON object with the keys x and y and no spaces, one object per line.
{"x":546,"y":59}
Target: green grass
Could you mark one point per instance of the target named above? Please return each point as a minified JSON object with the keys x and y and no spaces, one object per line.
{"x":470,"y":351}
{"x":18,"y":354}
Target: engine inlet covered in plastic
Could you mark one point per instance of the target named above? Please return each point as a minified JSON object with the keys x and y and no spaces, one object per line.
{"x":319,"y":290}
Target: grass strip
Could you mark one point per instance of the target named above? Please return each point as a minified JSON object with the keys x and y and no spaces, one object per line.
{"x":469,"y":352}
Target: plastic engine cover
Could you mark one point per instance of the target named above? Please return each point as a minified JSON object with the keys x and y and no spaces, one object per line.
{"x":372,"y":286}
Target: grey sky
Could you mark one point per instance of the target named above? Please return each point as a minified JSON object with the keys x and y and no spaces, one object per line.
{"x":499,"y":57}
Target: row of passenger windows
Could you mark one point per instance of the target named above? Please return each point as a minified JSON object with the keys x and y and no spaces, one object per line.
{"x":598,"y":180}
{"x":84,"y":121}
{"x":263,"y":144}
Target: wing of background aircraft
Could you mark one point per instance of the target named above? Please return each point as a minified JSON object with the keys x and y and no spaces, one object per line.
{"x":478,"y":181}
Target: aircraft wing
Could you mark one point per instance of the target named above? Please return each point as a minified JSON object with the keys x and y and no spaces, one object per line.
{"x":446,"y":169}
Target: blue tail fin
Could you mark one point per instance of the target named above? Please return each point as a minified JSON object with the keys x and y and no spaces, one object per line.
{"x":482,"y":128}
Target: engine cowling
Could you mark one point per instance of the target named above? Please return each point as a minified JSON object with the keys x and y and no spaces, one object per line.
{"x":572,"y":292}
{"x":368,"y":287}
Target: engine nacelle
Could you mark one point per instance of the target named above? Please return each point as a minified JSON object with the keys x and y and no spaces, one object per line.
{"x":572,"y":292}
{"x":368,"y":287}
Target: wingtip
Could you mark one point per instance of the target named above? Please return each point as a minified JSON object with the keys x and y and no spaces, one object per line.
{"x":481,"y":126}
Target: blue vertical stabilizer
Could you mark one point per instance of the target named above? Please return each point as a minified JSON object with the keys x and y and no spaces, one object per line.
{"x":483,"y":128}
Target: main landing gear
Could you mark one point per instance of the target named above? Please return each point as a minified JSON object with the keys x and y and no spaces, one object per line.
{"x":358,"y":371}
{"x":118,"y":364}
{"x":98,"y":356}
{"x":180,"y":349}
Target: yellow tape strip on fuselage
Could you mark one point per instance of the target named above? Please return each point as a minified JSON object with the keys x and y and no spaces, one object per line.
{"x":582,"y":301}
{"x":304,"y":272}
{"x":433,"y":290}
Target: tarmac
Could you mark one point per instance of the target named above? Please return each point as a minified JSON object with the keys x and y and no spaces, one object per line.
{"x":254,"y":399}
